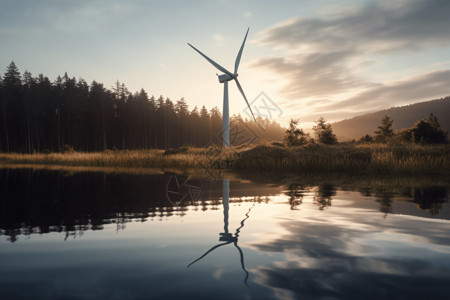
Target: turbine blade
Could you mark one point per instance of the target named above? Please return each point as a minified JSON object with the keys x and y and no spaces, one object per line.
{"x":238,"y":57}
{"x":243,"y":95}
{"x":219,"y":67}
{"x":207,"y":252}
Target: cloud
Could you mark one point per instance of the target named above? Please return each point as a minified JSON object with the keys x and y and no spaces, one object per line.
{"x":326,"y":58}
{"x":315,"y":74}
{"x":91,"y":16}
{"x":373,"y":28}
{"x":65,"y":17}
{"x":430,"y":85}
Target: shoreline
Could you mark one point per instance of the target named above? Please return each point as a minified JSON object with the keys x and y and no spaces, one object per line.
{"x":372,"y":159}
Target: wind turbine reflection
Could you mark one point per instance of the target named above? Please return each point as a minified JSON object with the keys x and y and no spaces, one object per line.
{"x":226,"y":237}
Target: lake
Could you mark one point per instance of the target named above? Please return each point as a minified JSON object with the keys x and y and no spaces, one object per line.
{"x":80,"y":234}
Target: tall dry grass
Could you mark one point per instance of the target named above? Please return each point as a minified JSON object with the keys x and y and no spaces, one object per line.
{"x":314,"y":158}
{"x":349,"y":158}
{"x":212,"y":157}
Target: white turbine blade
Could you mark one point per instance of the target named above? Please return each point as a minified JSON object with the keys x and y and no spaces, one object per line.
{"x":243,"y":95}
{"x":238,"y":57}
{"x":219,"y":67}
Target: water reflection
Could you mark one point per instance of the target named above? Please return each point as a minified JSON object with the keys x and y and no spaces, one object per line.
{"x":39,"y":202}
{"x":225,"y":236}
{"x":296,"y":192}
{"x":385,"y":198}
{"x":180,"y":188}
{"x":358,"y":257}
{"x":430,"y":198}
{"x":321,"y":239}
{"x":58,"y":201}
{"x":324,"y":195}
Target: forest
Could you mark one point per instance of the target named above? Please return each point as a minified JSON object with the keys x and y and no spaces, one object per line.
{"x":40,"y":115}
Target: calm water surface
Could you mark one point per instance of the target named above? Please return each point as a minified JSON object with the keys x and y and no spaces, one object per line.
{"x":91,"y":235}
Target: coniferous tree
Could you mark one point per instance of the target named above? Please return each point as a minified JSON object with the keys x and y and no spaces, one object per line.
{"x":205,"y":126}
{"x":3,"y":120}
{"x":12,"y":105}
{"x":324,"y":133}
{"x":28,"y":91}
{"x":182,"y":112}
{"x":384,"y":132}
{"x":216,"y":126}
{"x":366,"y":139}
{"x":39,"y":115}
{"x":194,"y":128}
{"x":295,"y":136}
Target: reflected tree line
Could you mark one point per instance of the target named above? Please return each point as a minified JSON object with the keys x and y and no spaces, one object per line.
{"x":322,"y":195}
{"x":38,"y":115}
{"x":49,"y":201}
{"x":425,"y":198}
{"x":57,"y":201}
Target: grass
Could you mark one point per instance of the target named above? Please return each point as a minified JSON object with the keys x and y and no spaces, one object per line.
{"x":405,"y":159}
{"x":197,"y":158}
{"x":349,"y":158}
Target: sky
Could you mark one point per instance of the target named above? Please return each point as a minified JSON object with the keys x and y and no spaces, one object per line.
{"x":330,"y":58}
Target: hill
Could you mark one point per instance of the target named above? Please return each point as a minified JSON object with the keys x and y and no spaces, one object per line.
{"x":403,"y":116}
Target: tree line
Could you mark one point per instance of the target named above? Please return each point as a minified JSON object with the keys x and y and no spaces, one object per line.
{"x":424,"y":131}
{"x":323,"y":134}
{"x":38,"y":115}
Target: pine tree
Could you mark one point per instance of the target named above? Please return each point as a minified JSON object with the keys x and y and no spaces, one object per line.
{"x":385,"y":131}
{"x":11,"y":78}
{"x":295,"y":136}
{"x":3,"y":120}
{"x":12,"y":105}
{"x":324,"y":132}
{"x":28,"y":87}
{"x":434,"y":122}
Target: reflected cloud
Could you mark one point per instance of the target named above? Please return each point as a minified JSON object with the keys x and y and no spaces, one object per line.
{"x":40,"y":201}
{"x":293,"y":249}
{"x":324,"y":258}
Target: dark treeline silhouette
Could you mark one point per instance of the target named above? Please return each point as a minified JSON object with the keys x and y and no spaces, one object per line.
{"x":38,"y":115}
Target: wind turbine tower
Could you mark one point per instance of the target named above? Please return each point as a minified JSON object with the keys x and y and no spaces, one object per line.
{"x":224,"y":78}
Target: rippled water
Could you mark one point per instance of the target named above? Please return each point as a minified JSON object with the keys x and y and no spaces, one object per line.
{"x":92,"y":235}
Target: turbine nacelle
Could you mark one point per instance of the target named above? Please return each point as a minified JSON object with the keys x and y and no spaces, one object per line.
{"x":226,"y":77}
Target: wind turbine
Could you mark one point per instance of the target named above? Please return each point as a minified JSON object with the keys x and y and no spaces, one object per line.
{"x":224,"y":78}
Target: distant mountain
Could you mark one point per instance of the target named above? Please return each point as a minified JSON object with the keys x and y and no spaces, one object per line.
{"x":403,"y":116}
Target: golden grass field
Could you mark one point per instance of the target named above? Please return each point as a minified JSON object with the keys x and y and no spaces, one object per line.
{"x":405,"y":159}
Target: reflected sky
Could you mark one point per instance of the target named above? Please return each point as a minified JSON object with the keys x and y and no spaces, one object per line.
{"x":98,"y":236}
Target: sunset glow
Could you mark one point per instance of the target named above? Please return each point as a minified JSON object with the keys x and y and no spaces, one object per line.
{"x":312,"y":58}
